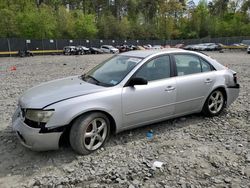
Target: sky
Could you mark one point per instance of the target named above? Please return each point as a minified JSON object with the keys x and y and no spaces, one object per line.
{"x":197,"y":1}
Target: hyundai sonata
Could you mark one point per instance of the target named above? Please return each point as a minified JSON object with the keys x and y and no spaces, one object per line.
{"x":128,"y":90}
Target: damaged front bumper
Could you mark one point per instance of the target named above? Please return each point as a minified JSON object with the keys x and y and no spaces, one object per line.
{"x":31,"y":137}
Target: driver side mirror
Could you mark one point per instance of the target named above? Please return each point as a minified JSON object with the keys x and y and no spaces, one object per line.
{"x":137,"y":81}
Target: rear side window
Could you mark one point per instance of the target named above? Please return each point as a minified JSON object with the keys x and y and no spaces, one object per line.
{"x":190,"y":64}
{"x":206,"y":67}
{"x":187,"y":64}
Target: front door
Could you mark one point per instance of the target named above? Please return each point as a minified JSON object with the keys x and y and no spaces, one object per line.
{"x":155,"y":101}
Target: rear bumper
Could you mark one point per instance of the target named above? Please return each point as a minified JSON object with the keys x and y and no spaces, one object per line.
{"x":232,"y":93}
{"x":32,"y":139}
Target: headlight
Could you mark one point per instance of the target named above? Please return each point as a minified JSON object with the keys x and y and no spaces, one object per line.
{"x":39,"y":115}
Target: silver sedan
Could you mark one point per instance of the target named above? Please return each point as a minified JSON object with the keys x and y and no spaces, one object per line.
{"x":126,"y":91}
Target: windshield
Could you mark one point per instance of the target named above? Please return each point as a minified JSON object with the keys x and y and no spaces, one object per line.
{"x":112,"y":71}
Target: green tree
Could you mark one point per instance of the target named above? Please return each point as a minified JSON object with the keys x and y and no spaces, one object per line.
{"x":8,"y":27}
{"x":84,"y":25}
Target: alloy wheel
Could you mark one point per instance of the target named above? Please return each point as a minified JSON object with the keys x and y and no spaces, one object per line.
{"x":216,"y":102}
{"x":95,"y":134}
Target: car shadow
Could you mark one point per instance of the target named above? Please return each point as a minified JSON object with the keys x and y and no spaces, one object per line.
{"x":18,"y":160}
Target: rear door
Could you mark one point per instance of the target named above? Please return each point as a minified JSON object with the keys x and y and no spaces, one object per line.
{"x":194,"y":80}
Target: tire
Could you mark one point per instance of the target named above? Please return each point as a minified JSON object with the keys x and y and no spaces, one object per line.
{"x":86,"y":134}
{"x":214,"y":104}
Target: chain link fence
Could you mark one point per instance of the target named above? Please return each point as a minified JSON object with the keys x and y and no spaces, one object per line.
{"x":16,"y":44}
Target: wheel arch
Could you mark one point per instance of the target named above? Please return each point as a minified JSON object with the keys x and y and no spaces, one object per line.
{"x":221,"y":88}
{"x":65,"y":136}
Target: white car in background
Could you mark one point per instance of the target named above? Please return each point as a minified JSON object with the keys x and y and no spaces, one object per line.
{"x":248,"y":49}
{"x":109,"y":49}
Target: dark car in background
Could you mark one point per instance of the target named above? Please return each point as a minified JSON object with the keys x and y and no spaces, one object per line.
{"x":69,"y":50}
{"x":94,"y":50}
{"x":75,"y":50}
{"x":80,"y":50}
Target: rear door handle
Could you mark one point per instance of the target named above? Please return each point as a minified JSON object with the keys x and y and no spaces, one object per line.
{"x":170,"y":88}
{"x":208,"y":81}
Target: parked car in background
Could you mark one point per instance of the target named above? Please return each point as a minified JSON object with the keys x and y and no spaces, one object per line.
{"x":109,"y":49}
{"x":147,"y":46}
{"x":133,"y":47}
{"x":248,"y":50}
{"x":179,"y":45}
{"x":203,"y":47}
{"x":80,"y":50}
{"x":129,"y":90}
{"x":25,"y":53}
{"x":69,"y":50}
{"x":189,"y":47}
{"x":157,"y":47}
{"x":94,"y":50}
{"x":213,"y":47}
{"x":123,"y":48}
{"x":140,"y":48}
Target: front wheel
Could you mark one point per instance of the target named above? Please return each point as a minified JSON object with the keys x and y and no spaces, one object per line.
{"x":89,"y":132}
{"x":214,"y":103}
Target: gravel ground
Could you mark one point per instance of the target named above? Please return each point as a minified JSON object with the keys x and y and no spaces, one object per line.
{"x":195,"y":151}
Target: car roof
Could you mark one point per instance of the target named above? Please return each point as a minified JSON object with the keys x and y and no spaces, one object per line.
{"x":146,"y":53}
{"x":107,"y":45}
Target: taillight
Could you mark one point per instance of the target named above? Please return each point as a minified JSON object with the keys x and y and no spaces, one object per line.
{"x":235,"y":78}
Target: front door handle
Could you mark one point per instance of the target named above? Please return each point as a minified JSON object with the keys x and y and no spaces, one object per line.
{"x":208,"y":81}
{"x":170,"y":88}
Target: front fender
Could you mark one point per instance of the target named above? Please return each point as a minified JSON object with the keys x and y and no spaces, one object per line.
{"x":67,"y":110}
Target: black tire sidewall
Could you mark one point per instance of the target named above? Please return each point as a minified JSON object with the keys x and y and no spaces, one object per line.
{"x":79,"y":127}
{"x":206,"y":111}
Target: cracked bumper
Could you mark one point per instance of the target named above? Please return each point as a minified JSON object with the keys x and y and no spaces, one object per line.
{"x":31,"y":138}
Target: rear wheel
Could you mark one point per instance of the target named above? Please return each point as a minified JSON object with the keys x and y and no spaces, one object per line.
{"x":214,"y":104}
{"x":89,"y":133}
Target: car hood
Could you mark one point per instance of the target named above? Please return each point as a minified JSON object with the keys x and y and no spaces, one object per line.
{"x":57,"y":90}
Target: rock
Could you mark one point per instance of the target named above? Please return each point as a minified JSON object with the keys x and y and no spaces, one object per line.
{"x":37,"y":183}
{"x":235,"y":183}
{"x":247,"y":172}
{"x":207,"y":175}
{"x":31,"y":183}
{"x":227,"y":180}
{"x":68,"y":169}
{"x":248,"y":158}
{"x":94,"y":185}
{"x":240,"y":145}
{"x":183,"y":119}
{"x":217,"y":181}
{"x":227,"y":146}
{"x":131,"y":186}
{"x":136,"y":182}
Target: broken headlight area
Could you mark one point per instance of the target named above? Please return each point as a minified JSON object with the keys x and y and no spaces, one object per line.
{"x":36,"y":118}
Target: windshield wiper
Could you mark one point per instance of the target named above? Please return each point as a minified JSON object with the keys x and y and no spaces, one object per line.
{"x":97,"y":82}
{"x":93,"y":78}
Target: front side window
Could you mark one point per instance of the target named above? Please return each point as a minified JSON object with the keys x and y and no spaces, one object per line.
{"x":156,"y":69}
{"x":111,"y":72}
{"x":187,"y":64}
